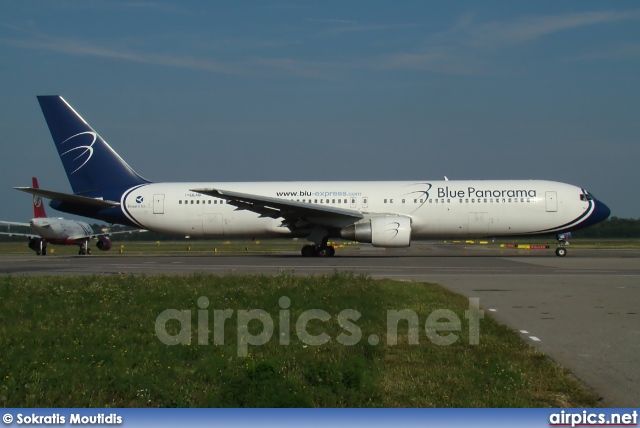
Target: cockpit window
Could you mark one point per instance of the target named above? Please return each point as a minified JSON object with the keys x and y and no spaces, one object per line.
{"x":586,"y":196}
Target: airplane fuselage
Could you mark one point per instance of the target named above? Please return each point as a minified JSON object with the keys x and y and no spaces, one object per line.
{"x":61,"y":231}
{"x":437,"y":209}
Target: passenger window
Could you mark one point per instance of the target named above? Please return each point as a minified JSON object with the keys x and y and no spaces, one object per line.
{"x":180,"y":202}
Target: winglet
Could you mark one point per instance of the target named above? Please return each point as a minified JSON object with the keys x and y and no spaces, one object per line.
{"x":38,"y":206}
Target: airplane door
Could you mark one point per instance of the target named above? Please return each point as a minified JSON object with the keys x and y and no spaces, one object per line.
{"x":365,"y":202}
{"x":212,"y":224}
{"x":551,"y":201}
{"x":478,"y":224}
{"x":158,"y":203}
{"x":353,"y":202}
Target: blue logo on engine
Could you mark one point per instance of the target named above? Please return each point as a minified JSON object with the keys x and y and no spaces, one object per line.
{"x":139,"y":199}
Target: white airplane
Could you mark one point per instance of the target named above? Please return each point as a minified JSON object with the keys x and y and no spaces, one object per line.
{"x":59,"y":231}
{"x":385,"y":214}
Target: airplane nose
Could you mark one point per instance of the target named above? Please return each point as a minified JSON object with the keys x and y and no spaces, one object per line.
{"x":600,"y":212}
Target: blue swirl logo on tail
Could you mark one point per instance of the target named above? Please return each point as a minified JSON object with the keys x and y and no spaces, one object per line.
{"x":86,"y":150}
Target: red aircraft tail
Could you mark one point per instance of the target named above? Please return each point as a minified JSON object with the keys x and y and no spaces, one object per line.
{"x":38,"y":207}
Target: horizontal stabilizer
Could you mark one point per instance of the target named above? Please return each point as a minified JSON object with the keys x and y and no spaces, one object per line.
{"x":72,"y":199}
{"x":26,"y":235}
{"x":14,"y":223}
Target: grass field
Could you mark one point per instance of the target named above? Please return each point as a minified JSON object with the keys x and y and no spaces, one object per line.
{"x":91,"y":342}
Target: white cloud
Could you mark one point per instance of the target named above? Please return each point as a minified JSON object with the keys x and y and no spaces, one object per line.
{"x":466,"y":47}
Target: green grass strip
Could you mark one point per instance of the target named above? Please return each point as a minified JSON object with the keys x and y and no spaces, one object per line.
{"x":91,"y":342}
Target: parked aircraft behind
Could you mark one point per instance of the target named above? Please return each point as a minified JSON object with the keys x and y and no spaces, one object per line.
{"x":385,"y":214}
{"x":59,"y":231}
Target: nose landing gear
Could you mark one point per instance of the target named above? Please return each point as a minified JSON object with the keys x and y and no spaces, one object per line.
{"x":563,"y":241}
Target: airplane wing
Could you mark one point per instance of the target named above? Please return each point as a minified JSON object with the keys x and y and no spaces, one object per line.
{"x":100,"y":235}
{"x":120,"y":232}
{"x":66,"y":197}
{"x":294,"y":213}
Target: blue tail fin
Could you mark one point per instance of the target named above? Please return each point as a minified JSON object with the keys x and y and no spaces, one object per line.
{"x":91,"y":165}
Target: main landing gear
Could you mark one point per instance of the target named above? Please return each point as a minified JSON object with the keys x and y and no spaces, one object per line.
{"x":563,"y":241}
{"x":318,"y":251}
{"x":320,"y":248}
{"x":42,"y":249}
{"x":84,"y":249}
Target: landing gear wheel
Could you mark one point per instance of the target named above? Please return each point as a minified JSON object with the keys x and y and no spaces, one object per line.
{"x":326,"y":251}
{"x":323,"y":251}
{"x":561,"y":251}
{"x":309,"y":251}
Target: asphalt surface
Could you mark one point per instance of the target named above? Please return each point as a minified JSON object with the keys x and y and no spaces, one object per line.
{"x":581,"y":310}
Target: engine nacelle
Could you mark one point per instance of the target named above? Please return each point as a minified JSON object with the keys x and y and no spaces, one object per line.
{"x":384,"y":231}
{"x":35,"y":243}
{"x":104,"y":243}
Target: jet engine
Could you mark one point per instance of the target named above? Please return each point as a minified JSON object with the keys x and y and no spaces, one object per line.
{"x":384,"y":231}
{"x":104,"y":243}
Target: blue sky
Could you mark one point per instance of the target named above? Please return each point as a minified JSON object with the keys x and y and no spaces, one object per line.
{"x":331,"y":90}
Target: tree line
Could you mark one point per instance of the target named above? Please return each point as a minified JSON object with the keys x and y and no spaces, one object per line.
{"x":613,"y":227}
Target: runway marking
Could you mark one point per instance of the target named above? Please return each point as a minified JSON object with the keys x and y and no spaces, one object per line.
{"x":535,"y":339}
{"x":524,"y":332}
{"x":493,"y":310}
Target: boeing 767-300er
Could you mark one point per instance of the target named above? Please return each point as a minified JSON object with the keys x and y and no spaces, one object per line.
{"x":385,"y":214}
{"x":59,"y":231}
